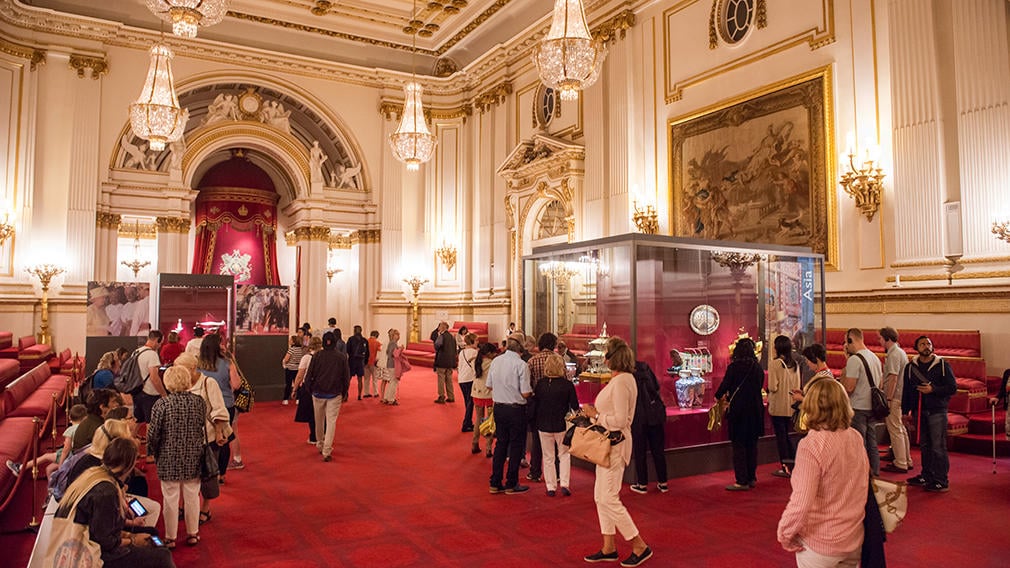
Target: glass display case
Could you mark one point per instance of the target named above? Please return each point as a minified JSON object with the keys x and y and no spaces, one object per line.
{"x":665,"y":294}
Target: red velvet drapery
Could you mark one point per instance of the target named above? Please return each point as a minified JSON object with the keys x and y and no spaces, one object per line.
{"x":236,"y":234}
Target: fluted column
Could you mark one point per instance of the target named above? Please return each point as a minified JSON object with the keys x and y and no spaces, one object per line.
{"x":106,"y":244}
{"x":618,"y":85}
{"x":54,"y":155}
{"x":370,"y":263}
{"x":173,"y":244}
{"x":83,"y":176}
{"x":919,"y":169}
{"x":982,"y":83}
{"x":391,"y":219}
{"x":313,"y":245}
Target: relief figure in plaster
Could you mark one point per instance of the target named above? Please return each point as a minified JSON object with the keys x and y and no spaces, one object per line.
{"x":347,"y":177}
{"x":136,"y":156}
{"x":224,"y":107}
{"x":273,"y":114}
{"x":177,"y":148}
{"x":316,"y":159}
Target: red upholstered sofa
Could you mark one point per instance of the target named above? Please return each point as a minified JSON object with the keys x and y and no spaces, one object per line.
{"x":64,"y":363}
{"x":10,"y":369}
{"x":7,"y":348}
{"x":951,"y":343}
{"x":578,"y":338}
{"x":27,"y":397}
{"x":423,"y":352}
{"x":31,"y":353}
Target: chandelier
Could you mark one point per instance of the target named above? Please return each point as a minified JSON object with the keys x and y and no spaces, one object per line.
{"x":156,"y":116}
{"x":569,"y":59}
{"x":136,"y":264}
{"x":412,"y":143}
{"x":186,"y":15}
{"x":558,"y":271}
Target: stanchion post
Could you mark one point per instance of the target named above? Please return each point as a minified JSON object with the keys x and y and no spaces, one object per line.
{"x":55,"y":406}
{"x":36,"y":431}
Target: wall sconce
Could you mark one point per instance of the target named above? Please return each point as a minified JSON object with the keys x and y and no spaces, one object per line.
{"x":447,"y":254}
{"x":6,"y":229}
{"x":646,"y":220}
{"x":1001,"y":229}
{"x":864,"y":183}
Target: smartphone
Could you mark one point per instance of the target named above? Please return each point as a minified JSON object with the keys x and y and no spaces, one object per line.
{"x":156,"y":541}
{"x":137,"y":508}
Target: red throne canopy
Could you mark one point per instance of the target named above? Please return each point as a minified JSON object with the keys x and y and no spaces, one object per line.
{"x":236,"y":223}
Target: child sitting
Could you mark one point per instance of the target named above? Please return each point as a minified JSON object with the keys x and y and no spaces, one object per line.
{"x":54,"y":459}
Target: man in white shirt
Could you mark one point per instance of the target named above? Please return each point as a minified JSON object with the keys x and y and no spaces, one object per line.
{"x":149,"y":361}
{"x":508,"y":378}
{"x":857,"y":383}
{"x":894,"y":366}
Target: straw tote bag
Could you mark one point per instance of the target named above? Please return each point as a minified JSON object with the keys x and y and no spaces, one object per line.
{"x":70,"y":544}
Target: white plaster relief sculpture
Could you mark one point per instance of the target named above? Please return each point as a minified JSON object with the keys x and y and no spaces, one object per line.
{"x":177,"y":149}
{"x":224,"y":107}
{"x":316,"y":159}
{"x":136,"y":156}
{"x":273,"y":114}
{"x":347,"y":176}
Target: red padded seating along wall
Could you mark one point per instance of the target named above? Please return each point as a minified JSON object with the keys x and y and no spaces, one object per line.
{"x":32,"y":353}
{"x":950,"y":343}
{"x":9,"y":370}
{"x":32,"y":394}
{"x":7,"y":348}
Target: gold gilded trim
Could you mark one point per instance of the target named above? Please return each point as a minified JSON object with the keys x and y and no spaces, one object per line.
{"x":393,"y":110}
{"x":957,"y":276}
{"x":341,"y":242}
{"x":172,"y":224}
{"x":35,"y":56}
{"x":492,"y":97}
{"x":308,"y":234}
{"x":108,"y":220}
{"x":283,"y":142}
{"x":816,"y":37}
{"x":952,"y":302}
{"x":609,"y":30}
{"x":138,"y":231}
{"x":98,"y":65}
{"x":368,"y":236}
{"x":942,"y":262}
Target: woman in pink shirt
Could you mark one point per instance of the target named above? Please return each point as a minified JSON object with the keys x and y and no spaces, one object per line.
{"x":823,"y":522}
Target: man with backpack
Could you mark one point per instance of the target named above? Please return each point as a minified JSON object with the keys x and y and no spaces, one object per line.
{"x":140,"y":377}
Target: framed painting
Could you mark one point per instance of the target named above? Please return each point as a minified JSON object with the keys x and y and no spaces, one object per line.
{"x":756,"y":169}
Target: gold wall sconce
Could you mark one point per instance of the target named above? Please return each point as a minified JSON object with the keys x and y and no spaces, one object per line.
{"x":864,"y":182}
{"x":1001,"y":230}
{"x":646,"y":220}
{"x":45,"y":273}
{"x":447,"y":254}
{"x":415,"y":282}
{"x":6,"y":229}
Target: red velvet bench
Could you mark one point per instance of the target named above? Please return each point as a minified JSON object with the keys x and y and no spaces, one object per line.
{"x":32,"y":394}
{"x":7,"y":348}
{"x":948,"y":343}
{"x":422,"y":353}
{"x":64,"y":363}
{"x":31,"y":353}
{"x":9,"y":370}
{"x":15,"y":445}
{"x":577,"y":339}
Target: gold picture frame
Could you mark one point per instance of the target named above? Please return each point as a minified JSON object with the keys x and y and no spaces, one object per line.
{"x":758,"y":168}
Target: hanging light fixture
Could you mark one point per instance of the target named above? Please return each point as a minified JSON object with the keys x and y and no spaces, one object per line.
{"x":569,"y":59}
{"x":156,"y":116}
{"x":412,"y":143}
{"x":186,"y":15}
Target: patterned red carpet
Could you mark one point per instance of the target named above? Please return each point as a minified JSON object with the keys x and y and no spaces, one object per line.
{"x":404,"y":490}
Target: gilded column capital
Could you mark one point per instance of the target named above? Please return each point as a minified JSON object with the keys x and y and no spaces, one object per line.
{"x":618,"y":25}
{"x":34,"y":55}
{"x":172,"y":224}
{"x":107,"y":220}
{"x":492,"y":97}
{"x":308,"y":234}
{"x":369,"y":236}
{"x":98,"y":65}
{"x":342,"y":241}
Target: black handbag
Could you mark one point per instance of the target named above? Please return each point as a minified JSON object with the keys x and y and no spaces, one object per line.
{"x":208,"y":462}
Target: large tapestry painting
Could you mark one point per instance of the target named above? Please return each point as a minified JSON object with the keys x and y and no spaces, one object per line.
{"x":755,"y":171}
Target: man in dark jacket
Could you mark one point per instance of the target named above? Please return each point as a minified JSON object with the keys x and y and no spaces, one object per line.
{"x":328,"y":379}
{"x":929,"y":384}
{"x":445,"y":362}
{"x":357,"y":354}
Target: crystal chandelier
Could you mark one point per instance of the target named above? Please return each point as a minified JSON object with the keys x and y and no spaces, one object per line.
{"x":186,"y":15}
{"x":412,"y":143}
{"x":569,"y":59}
{"x":156,"y":116}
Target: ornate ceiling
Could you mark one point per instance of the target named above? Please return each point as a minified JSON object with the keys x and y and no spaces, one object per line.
{"x":370,"y":33}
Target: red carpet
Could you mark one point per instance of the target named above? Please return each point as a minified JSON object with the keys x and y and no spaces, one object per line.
{"x":404,"y":490}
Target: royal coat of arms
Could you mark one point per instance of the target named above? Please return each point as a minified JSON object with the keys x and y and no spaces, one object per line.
{"x":236,"y":264}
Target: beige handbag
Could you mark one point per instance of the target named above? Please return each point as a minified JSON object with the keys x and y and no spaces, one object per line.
{"x":591,"y":444}
{"x":892,"y":500}
{"x":70,"y":544}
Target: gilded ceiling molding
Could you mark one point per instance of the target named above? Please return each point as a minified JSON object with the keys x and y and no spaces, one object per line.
{"x":107,"y":220}
{"x":98,"y":65}
{"x":608,"y":30}
{"x":172,"y":224}
{"x":393,"y":110}
{"x":140,"y":230}
{"x":493,"y":96}
{"x":308,"y":234}
{"x":445,"y":67}
{"x":35,"y":56}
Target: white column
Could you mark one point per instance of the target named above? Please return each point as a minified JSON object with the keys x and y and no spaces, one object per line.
{"x":83,"y":177}
{"x":173,"y":244}
{"x":106,"y":241}
{"x":390,"y":190}
{"x":313,"y":244}
{"x":617,"y":82}
{"x":54,"y":156}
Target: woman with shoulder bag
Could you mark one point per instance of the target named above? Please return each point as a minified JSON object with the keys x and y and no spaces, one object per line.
{"x":556,"y":397}
{"x":213,"y":363}
{"x":305,"y":411}
{"x":783,"y":379}
{"x":742,"y":388}
{"x":648,"y":431}
{"x":97,"y":501}
{"x":482,"y":403}
{"x":614,"y":410}
{"x":176,"y":436}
